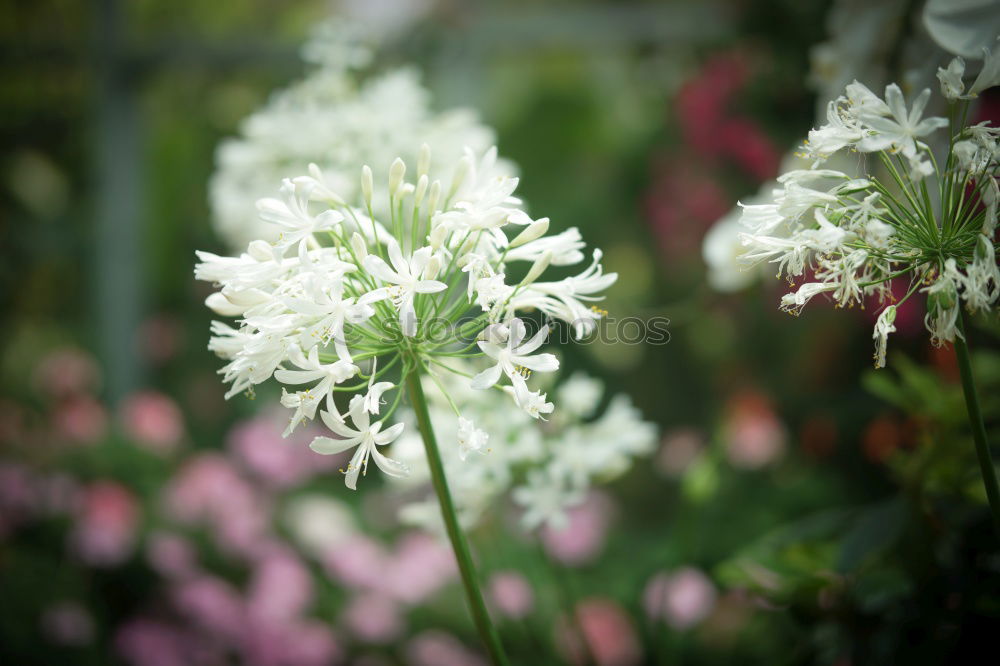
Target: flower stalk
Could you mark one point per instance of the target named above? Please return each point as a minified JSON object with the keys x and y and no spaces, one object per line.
{"x":978,"y":428}
{"x":487,"y":632}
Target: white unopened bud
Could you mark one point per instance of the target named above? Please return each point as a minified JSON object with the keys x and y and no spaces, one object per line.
{"x":434,"y":195}
{"x":420,"y":191}
{"x":367,"y":185}
{"x":537,"y":268}
{"x":534,"y":231}
{"x":433,"y":266}
{"x":437,"y":236}
{"x":466,"y":247}
{"x":359,"y":246}
{"x":461,"y":171}
{"x":221,"y":305}
{"x":260,"y":250}
{"x":322,"y":190}
{"x":396,"y":173}
{"x":424,"y":160}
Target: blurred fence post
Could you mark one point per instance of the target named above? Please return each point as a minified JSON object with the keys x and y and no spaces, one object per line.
{"x":118,"y":206}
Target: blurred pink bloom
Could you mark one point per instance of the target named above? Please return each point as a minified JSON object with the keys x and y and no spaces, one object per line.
{"x":608,"y":632}
{"x":299,"y":643}
{"x":68,"y":623}
{"x":104,"y":533}
{"x":683,"y":598}
{"x":754,"y":435}
{"x":511,"y":594}
{"x":359,"y":562}
{"x":152,"y":420}
{"x":81,"y":419}
{"x":678,"y":450}
{"x":67,"y":372}
{"x":280,"y":589}
{"x":171,"y":555}
{"x":213,"y":605}
{"x":750,"y":148}
{"x":421,"y":566}
{"x":374,"y":618}
{"x":583,"y":538}
{"x":436,"y":648}
{"x":144,"y":642}
{"x":160,"y":337}
{"x":258,"y":445}
{"x":209,"y":490}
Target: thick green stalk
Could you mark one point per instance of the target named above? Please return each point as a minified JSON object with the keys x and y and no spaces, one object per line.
{"x":466,"y":567}
{"x":978,"y":428}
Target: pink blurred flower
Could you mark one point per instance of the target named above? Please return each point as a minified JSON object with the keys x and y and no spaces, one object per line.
{"x":374,"y":618}
{"x":606,"y":628}
{"x":152,"y":420}
{"x":299,"y":643}
{"x":104,"y":533}
{"x":583,"y":537}
{"x":258,"y":445}
{"x":68,"y":623}
{"x":67,"y":372}
{"x":436,"y":648}
{"x":160,"y":337}
{"x":281,"y":587}
{"x":511,"y":594}
{"x":143,"y":642}
{"x":678,"y":450}
{"x":421,"y":566}
{"x":683,"y":598}
{"x":171,"y":555}
{"x":359,"y":562}
{"x":213,"y":605}
{"x":754,"y":435}
{"x":81,"y":419}
{"x":209,"y":490}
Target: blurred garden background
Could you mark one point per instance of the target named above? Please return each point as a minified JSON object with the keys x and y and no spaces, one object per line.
{"x":798,"y":507}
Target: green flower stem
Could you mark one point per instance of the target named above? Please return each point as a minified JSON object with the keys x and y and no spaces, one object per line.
{"x":473,"y":594}
{"x":976,"y":421}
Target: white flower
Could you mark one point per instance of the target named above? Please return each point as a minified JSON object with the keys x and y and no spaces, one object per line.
{"x":291,"y":214}
{"x":311,"y":369}
{"x":989,"y":75}
{"x":366,"y":436}
{"x":883,"y":327}
{"x":952,"y":86}
{"x":545,"y":496}
{"x":901,"y":131}
{"x":942,"y":305}
{"x":470,"y":438}
{"x":507,"y":346}
{"x":407,"y":276}
{"x":532,"y":402}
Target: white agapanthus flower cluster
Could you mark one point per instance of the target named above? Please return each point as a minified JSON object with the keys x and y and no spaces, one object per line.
{"x":930,"y":219}
{"x":336,"y":118}
{"x":547,"y":467}
{"x":351,"y":301}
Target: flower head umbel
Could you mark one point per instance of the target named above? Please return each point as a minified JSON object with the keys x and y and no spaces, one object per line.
{"x":351,"y":300}
{"x":912,"y":215}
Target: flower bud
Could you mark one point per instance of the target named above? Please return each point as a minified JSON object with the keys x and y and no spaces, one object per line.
{"x":396,"y":173}
{"x":358,"y":246}
{"x":424,"y":160}
{"x":367,"y":185}
{"x":433,"y":266}
{"x":418,"y":194}
{"x":534,"y":231}
{"x":437,"y":236}
{"x":461,"y":171}
{"x":433,"y":196}
{"x":537,"y":268}
{"x":260,"y":250}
